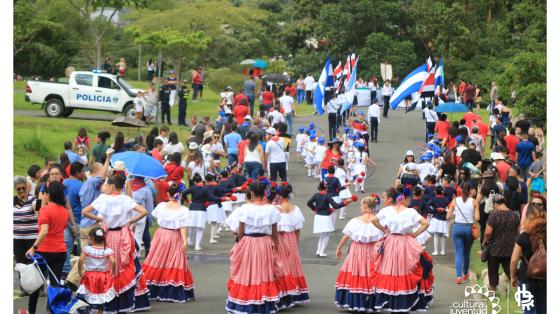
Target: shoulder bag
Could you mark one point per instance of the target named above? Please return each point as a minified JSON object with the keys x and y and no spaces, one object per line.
{"x":474,"y":226}
{"x":536,"y":266}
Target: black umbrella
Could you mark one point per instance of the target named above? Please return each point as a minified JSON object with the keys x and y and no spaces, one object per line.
{"x":127,"y":122}
{"x":276,"y":78}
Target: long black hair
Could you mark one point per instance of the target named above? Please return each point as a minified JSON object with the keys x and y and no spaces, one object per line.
{"x":55,"y":190}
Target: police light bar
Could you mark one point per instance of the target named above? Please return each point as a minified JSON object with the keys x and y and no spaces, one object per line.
{"x":95,"y":70}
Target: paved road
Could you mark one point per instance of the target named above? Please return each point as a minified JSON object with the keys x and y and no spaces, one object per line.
{"x":210,"y":269}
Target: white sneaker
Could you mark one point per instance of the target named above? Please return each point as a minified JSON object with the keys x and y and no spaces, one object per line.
{"x":442,"y":253}
{"x":198,"y":248}
{"x":322,"y":254}
{"x":435,"y":253}
{"x":342,"y":217}
{"x":213,"y":241}
{"x":216,"y":236}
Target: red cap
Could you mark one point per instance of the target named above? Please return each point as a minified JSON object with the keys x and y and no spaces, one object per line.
{"x":274,"y":184}
{"x":233,"y":198}
{"x":284,"y":183}
{"x":360,"y":180}
{"x":363,"y":174}
{"x":354,"y":198}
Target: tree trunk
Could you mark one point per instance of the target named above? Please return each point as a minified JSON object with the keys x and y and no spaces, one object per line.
{"x":98,"y":52}
{"x":139,"y":61}
{"x":179,"y":65}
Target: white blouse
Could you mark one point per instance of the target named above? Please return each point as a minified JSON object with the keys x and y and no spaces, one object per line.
{"x":291,"y":221}
{"x":115,"y":210}
{"x":360,"y":231}
{"x":97,"y":259}
{"x":404,"y":222}
{"x":259,"y":218}
{"x":171,"y":218}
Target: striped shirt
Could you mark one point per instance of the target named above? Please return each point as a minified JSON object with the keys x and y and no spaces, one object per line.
{"x":25,"y":221}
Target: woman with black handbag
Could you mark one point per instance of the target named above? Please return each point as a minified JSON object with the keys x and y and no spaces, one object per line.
{"x":501,"y":231}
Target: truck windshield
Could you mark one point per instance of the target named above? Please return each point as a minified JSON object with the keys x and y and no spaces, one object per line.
{"x":124,"y":83}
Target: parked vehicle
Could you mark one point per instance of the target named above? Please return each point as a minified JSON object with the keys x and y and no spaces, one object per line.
{"x":84,"y":90}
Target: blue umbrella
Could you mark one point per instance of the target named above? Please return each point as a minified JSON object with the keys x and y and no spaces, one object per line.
{"x":452,"y":107}
{"x":260,"y":63}
{"x":140,"y":164}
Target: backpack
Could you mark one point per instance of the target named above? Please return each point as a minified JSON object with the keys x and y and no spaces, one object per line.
{"x":536,"y":267}
{"x":489,"y":203}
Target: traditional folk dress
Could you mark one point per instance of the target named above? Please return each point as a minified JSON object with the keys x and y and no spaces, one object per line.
{"x":166,"y":267}
{"x":292,"y":283}
{"x":354,"y":288}
{"x":129,"y":284}
{"x":397,"y":269}
{"x":252,"y":286}
{"x":96,"y":287}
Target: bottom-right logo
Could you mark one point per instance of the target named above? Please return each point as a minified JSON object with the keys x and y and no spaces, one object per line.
{"x":478,"y":300}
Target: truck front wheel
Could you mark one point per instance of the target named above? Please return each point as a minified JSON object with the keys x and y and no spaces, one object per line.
{"x":54,"y":108}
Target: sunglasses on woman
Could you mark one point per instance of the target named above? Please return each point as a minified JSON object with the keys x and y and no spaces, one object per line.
{"x":537,"y":204}
{"x":21,"y":189}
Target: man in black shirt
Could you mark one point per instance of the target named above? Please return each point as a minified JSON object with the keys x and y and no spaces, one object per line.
{"x":523,"y":124}
{"x":471,"y":155}
{"x":164,"y":93}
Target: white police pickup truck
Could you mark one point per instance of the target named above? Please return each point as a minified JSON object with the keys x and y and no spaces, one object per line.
{"x":85,"y":90}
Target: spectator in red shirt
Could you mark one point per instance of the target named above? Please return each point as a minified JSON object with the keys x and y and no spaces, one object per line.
{"x":175,"y":172}
{"x":237,"y":99}
{"x":240,"y":111}
{"x":53,"y":219}
{"x":241,"y":151}
{"x":462,"y":88}
{"x":442,"y":127}
{"x":501,"y":166}
{"x":483,"y":129}
{"x":290,"y":90}
{"x":156,"y":151}
{"x":162,"y":187}
{"x":511,"y":143}
{"x":268,"y":98}
{"x":470,"y":117}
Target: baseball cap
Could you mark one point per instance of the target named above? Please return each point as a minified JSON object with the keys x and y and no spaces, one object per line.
{"x":193,"y":145}
{"x":301,"y":129}
{"x":248,"y":117}
{"x":346,"y":130}
{"x":312,"y":125}
{"x":271,"y":131}
{"x":312,"y":137}
{"x":409,"y":153}
{"x":321,"y":140}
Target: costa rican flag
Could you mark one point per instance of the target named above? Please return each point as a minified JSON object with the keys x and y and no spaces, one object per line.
{"x":353,"y":60}
{"x":347,"y":71}
{"x":337,"y":73}
{"x":428,"y":86}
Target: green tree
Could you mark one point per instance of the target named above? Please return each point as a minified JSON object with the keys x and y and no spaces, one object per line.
{"x":176,"y":46}
{"x":101,"y":21}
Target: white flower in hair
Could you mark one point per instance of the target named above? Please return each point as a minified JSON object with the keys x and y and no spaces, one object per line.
{"x":99,"y":233}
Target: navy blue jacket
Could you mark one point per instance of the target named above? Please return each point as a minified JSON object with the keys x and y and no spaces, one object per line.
{"x":333,"y":185}
{"x":201,"y":195}
{"x":439,"y":201}
{"x":321,"y":203}
{"x":421,"y":206}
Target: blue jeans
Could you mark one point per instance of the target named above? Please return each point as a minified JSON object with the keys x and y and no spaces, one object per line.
{"x":290,"y":122}
{"x":462,"y":241}
{"x":253,"y":169}
{"x":300,"y":95}
{"x":69,"y":240}
{"x":231,"y":158}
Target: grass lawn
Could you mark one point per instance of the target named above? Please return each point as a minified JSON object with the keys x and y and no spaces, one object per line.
{"x":477,"y":266}
{"x":36,"y":138}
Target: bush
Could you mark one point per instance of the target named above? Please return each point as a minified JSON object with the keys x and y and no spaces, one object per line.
{"x":35,"y":146}
{"x":531,"y":101}
{"x":217,"y":79}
